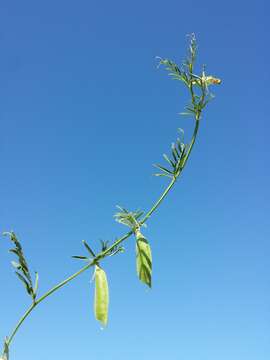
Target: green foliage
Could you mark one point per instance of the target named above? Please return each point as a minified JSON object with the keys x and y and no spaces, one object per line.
{"x":197,"y":84}
{"x":22,"y":269}
{"x":128,"y":218}
{"x":105,"y":248}
{"x":198,"y":87}
{"x":175,"y":161}
{"x":110,"y":250}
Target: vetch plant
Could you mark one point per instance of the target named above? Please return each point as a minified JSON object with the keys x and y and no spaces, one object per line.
{"x":198,"y":88}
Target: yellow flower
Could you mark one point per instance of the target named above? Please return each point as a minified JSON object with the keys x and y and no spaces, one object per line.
{"x":212,"y":80}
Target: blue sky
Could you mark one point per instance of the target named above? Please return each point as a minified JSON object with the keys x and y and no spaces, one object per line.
{"x":84,"y":114}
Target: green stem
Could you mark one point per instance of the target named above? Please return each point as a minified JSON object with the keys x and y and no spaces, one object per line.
{"x":159,"y":201}
{"x":31,"y":308}
{"x":192,"y":140}
{"x":8,"y":342}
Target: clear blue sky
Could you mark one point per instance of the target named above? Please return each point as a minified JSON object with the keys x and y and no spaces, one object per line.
{"x":84,"y":113}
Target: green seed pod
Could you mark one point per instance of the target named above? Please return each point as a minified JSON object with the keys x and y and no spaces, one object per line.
{"x":143,"y":259}
{"x":101,"y":302}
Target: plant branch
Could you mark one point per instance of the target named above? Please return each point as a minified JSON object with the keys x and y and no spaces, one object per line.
{"x":190,"y":80}
{"x":63,"y":283}
{"x":102,"y":254}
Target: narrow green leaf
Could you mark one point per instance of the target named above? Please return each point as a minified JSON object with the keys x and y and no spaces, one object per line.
{"x":175,"y":150}
{"x":14,"y":251}
{"x":26,"y":272}
{"x":117,"y":251}
{"x":122,"y":209}
{"x":163,"y":174}
{"x":183,"y":156}
{"x":26,"y":284}
{"x":16,"y":265}
{"x":180,"y":146}
{"x":104,"y":245}
{"x":36,"y":283}
{"x":163,"y":169}
{"x":138,"y":214}
{"x":174,"y":154}
{"x":80,"y":257}
{"x":101,"y":301}
{"x":91,"y":252}
{"x":169,"y":160}
{"x":143,"y":259}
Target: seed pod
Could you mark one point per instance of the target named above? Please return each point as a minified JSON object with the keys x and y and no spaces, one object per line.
{"x":143,"y":259}
{"x":101,"y":302}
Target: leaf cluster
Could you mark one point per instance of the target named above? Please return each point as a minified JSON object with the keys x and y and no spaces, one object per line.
{"x":105,"y":245}
{"x":197,"y":84}
{"x":111,"y":250}
{"x":22,"y":268}
{"x":176,"y":161}
{"x":128,"y":218}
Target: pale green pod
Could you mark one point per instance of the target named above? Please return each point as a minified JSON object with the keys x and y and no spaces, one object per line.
{"x":143,"y":259}
{"x":101,"y":302}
